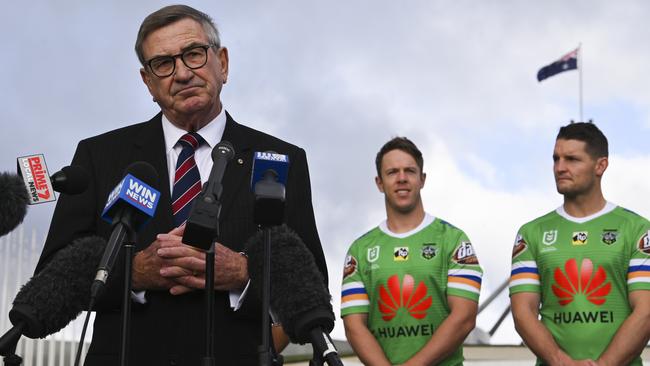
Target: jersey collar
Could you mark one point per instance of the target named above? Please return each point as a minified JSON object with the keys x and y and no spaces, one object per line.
{"x":609,"y":207}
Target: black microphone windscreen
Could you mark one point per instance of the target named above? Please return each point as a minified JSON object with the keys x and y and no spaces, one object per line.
{"x":299,"y":296}
{"x":72,"y":179}
{"x":144,"y":172}
{"x":13,"y":202}
{"x":57,"y":294}
{"x":224,"y":148}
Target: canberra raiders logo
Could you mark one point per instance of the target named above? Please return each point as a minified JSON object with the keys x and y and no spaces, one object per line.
{"x":429,"y":251}
{"x":609,"y":236}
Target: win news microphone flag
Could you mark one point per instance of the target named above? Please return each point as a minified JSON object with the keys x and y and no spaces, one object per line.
{"x":566,"y":63}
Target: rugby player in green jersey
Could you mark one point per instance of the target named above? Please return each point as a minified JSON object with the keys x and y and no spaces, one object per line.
{"x":580,"y":280}
{"x":410,"y":285}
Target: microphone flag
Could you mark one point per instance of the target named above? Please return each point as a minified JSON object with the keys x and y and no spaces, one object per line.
{"x":134,"y":192}
{"x":33,"y":170}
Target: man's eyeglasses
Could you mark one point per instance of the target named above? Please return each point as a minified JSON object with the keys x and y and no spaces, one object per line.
{"x":194,"y":58}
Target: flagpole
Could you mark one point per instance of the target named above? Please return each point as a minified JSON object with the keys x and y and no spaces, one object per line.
{"x":580,"y":79}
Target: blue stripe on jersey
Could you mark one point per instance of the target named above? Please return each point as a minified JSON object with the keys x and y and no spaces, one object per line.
{"x":524,"y":270}
{"x":353,"y":291}
{"x":469,"y":277}
{"x":638,"y":268}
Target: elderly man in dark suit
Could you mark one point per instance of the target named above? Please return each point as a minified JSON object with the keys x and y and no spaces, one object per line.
{"x":184,"y":67}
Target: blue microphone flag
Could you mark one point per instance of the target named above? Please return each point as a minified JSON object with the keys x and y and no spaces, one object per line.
{"x":265,"y":161}
{"x":134,"y":192}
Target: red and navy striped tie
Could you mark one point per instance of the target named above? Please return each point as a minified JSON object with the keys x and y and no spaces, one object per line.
{"x":187,"y":180}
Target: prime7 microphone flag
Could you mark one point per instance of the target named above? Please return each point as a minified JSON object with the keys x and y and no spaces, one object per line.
{"x":566,"y":63}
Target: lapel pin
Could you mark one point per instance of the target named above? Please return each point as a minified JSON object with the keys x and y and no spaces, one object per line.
{"x":240,"y":161}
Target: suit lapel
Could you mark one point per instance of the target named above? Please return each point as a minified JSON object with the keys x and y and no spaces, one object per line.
{"x":239,"y":167}
{"x":150,"y":147}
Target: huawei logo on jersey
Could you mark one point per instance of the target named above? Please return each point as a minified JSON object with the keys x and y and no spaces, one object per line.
{"x":415,"y":301}
{"x":581,"y":280}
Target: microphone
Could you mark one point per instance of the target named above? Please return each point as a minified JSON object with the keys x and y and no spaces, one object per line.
{"x":56,"y":295}
{"x":129,"y":206}
{"x":13,"y":202}
{"x":202,"y":226}
{"x":40,"y":186}
{"x":71,"y":179}
{"x":268,"y":181}
{"x":298,"y":296}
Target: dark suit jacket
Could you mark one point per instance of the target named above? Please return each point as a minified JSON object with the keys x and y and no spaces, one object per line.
{"x":169,"y":330}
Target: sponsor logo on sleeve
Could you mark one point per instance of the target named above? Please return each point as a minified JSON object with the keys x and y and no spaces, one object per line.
{"x":609,"y":236}
{"x":644,"y":243}
{"x":401,"y":254}
{"x":350,"y":266}
{"x":465,"y":254}
{"x":429,"y":251}
{"x":373,"y":253}
{"x":579,"y":238}
{"x":549,"y":237}
{"x":520,"y":246}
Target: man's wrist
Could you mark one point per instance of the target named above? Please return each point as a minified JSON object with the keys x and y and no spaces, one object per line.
{"x":244,"y":277}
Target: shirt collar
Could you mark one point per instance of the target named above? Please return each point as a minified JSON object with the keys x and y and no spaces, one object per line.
{"x":211,"y":133}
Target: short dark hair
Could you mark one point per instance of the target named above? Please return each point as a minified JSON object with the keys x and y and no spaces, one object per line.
{"x":587,"y":132}
{"x":171,"y":14}
{"x":400,"y":143}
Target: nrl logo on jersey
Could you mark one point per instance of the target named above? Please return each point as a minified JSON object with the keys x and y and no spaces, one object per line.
{"x":549,"y":237}
{"x":429,"y":251}
{"x":609,"y":236}
{"x":373,"y":253}
{"x":580,"y":238}
{"x":401,"y":254}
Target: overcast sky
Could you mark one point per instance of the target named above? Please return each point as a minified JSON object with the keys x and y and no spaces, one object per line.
{"x":340,"y":78}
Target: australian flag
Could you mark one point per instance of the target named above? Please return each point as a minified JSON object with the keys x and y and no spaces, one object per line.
{"x":566,"y":63}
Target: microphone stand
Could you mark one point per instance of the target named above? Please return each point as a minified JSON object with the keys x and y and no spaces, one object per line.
{"x":204,"y":222}
{"x":268,"y":212}
{"x":126,"y":236}
{"x":126,"y":303}
{"x":264,"y":349}
{"x":208,"y":359}
{"x":202,"y":231}
{"x":9,"y":342}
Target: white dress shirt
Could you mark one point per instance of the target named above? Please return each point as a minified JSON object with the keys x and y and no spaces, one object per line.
{"x":212,"y":134}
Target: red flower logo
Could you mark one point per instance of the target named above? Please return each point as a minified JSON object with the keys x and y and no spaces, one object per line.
{"x":416,"y":302}
{"x":583,"y":280}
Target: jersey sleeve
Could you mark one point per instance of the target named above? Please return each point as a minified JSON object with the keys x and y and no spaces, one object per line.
{"x":354,"y":297}
{"x":524,"y":276}
{"x":464,"y":275}
{"x":638,"y":272}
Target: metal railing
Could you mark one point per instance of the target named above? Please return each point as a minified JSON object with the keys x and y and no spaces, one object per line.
{"x":18,"y":258}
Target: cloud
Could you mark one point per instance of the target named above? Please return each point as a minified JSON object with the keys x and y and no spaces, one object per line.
{"x":340,"y":79}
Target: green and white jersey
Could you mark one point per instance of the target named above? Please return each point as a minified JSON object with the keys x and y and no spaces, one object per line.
{"x":583,"y":269}
{"x":402,"y":281}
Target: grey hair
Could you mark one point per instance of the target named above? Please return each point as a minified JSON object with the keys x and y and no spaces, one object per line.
{"x":171,"y":14}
